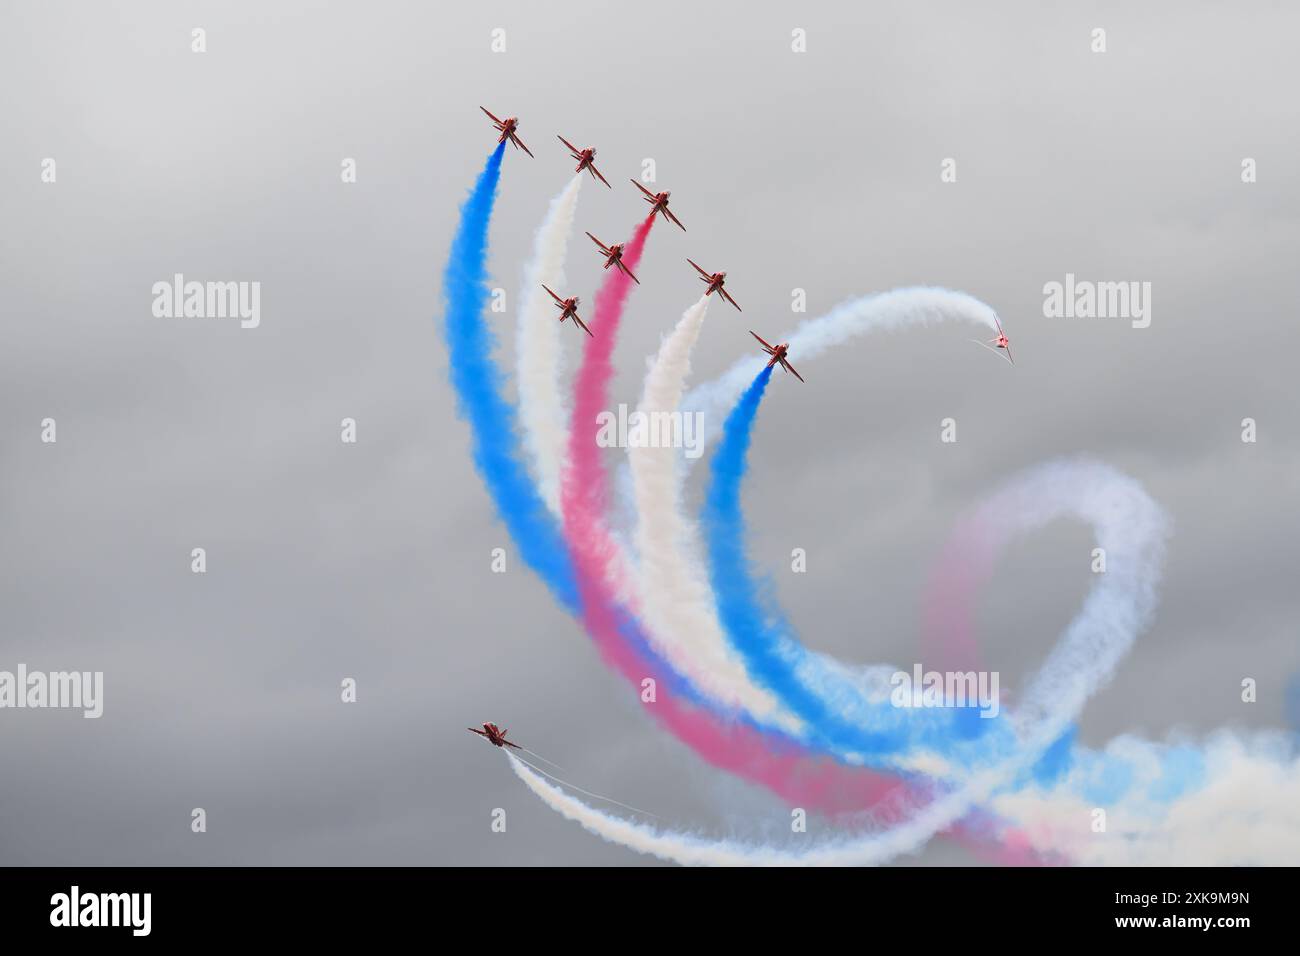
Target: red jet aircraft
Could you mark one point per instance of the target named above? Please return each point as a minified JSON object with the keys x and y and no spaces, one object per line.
{"x":569,"y":307}
{"x":495,"y":734}
{"x":584,"y":158}
{"x":659,"y":204}
{"x":506,"y":127}
{"x":715,"y":280}
{"x":999,"y":342}
{"x":778,"y":353}
{"x":614,"y":257}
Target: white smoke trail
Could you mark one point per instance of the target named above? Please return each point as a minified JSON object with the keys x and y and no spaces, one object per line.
{"x":564,"y":783}
{"x":1243,"y":815}
{"x":541,"y":410}
{"x":1240,"y":811}
{"x":676,"y":602}
{"x":1132,"y":529}
{"x":918,"y":305}
{"x":868,"y":850}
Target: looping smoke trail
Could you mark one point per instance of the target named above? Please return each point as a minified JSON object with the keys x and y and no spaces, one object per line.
{"x":677,"y":607}
{"x":476,"y":379}
{"x":883,"y":311}
{"x":480,"y":400}
{"x":1168,"y":796}
{"x":843,"y":712}
{"x":538,"y":352}
{"x":1132,"y":529}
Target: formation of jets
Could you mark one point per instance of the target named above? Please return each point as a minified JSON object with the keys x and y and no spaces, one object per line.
{"x":613,"y":255}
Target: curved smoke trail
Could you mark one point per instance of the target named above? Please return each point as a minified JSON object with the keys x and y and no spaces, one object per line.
{"x":729,"y":744}
{"x":676,"y":604}
{"x":1131,"y":528}
{"x":537,"y":354}
{"x":843,"y":712}
{"x":608,"y":609}
{"x":1228,"y":800}
{"x":480,"y":400}
{"x":883,"y":311}
{"x":872,"y":849}
{"x":477,"y":381}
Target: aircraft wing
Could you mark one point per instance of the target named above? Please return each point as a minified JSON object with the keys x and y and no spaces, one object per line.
{"x":596,"y":173}
{"x":573,"y":149}
{"x":603,"y":248}
{"x":490,"y":116}
{"x":509,"y":744}
{"x":760,"y":339}
{"x":629,"y":272}
{"x":473,"y":731}
{"x":723,"y":292}
{"x":648,"y":193}
{"x":700,"y":271}
{"x":790,"y":368}
{"x":678,"y":222}
{"x":553,"y":295}
{"x":582,"y":325}
{"x":520,"y":143}
{"x":1009,"y":358}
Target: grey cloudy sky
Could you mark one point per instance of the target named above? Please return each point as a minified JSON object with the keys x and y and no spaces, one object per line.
{"x":818,"y":171}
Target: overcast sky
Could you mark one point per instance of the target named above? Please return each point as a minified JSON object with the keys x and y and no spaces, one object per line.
{"x":817,"y":170}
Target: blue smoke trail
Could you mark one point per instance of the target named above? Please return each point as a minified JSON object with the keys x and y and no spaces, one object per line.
{"x":493,"y":420}
{"x":477,"y":380}
{"x":757,"y":629}
{"x":831,"y":702}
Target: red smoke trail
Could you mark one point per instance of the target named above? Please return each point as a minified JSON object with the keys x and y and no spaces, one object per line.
{"x":812,"y":782}
{"x":964,"y":569}
{"x":948,"y":641}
